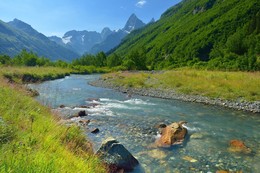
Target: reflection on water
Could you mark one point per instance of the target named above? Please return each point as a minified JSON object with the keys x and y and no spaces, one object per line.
{"x":132,"y":121}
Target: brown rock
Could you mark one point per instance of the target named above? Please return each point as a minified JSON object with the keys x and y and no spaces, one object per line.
{"x":238,"y":146}
{"x":224,"y":171}
{"x":172,"y":134}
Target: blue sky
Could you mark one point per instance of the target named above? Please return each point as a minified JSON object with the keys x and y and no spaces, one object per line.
{"x":55,"y":17}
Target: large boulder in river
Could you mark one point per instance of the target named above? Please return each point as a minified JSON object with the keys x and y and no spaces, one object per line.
{"x":172,"y":134}
{"x":116,"y":156}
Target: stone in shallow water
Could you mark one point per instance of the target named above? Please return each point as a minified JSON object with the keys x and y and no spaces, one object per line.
{"x":157,"y":154}
{"x":95,"y":130}
{"x":82,"y":113}
{"x":190,"y":159}
{"x":172,"y":134}
{"x":238,"y":146}
{"x":116,"y":155}
{"x":197,"y":135}
{"x":225,"y":171}
{"x":154,"y":153}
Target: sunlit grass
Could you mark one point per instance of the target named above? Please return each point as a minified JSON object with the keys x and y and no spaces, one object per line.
{"x":31,"y":137}
{"x":214,"y":84}
{"x":23,"y":74}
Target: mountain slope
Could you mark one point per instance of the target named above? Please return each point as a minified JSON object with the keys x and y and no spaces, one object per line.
{"x":199,"y":30}
{"x":17,"y":35}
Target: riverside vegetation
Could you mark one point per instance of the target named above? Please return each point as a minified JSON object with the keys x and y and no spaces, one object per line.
{"x":213,"y":84}
{"x":238,"y":90}
{"x":31,"y":137}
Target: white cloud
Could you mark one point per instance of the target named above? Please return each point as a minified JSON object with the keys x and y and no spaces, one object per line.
{"x":141,"y":3}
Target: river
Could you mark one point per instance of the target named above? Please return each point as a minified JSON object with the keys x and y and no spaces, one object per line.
{"x":132,"y":121}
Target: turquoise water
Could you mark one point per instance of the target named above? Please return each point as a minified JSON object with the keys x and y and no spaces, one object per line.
{"x":132,"y":122}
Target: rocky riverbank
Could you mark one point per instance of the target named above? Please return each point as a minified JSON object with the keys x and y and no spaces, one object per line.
{"x":171,"y":94}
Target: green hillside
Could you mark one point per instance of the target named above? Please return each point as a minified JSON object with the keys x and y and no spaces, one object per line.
{"x":16,"y":36}
{"x":216,"y":34}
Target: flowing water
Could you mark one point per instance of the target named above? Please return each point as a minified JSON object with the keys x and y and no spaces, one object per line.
{"x":132,"y":122}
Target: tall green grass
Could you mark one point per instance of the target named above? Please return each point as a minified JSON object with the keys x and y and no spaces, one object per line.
{"x":32,"y":139}
{"x":242,"y":86}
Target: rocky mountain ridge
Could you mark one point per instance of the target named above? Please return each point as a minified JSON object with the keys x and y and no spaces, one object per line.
{"x":93,"y":42}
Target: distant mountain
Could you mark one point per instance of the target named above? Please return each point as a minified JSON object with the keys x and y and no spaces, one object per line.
{"x":105,"y":33}
{"x":224,"y":34}
{"x":94,"y":42}
{"x":22,"y":26}
{"x":133,"y":23}
{"x":113,"y":40}
{"x":17,"y":35}
{"x":81,"y":41}
{"x":56,"y":39}
{"x":110,"y":42}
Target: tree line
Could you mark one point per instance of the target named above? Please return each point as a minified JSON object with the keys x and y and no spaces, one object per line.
{"x":224,"y":59}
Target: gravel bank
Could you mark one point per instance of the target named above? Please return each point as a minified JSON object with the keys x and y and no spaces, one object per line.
{"x":170,"y":94}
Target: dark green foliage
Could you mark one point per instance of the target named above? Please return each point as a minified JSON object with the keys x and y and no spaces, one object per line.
{"x":90,"y":60}
{"x":25,"y":58}
{"x":101,"y":59}
{"x":29,"y":59}
{"x":213,"y":34}
{"x":114,"y":60}
{"x":5,"y":59}
{"x":136,"y":60}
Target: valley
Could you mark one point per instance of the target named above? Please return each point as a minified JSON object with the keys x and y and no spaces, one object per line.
{"x":176,"y":94}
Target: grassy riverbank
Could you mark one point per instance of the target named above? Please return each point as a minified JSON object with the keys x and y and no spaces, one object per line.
{"x":31,"y":137}
{"x":243,"y":86}
{"x":37,"y":74}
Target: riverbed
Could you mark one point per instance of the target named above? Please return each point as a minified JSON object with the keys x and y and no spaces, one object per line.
{"x":132,"y":121}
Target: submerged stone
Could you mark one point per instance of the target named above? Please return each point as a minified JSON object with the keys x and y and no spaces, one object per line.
{"x":190,"y":159}
{"x":198,"y":135}
{"x":238,"y":146}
